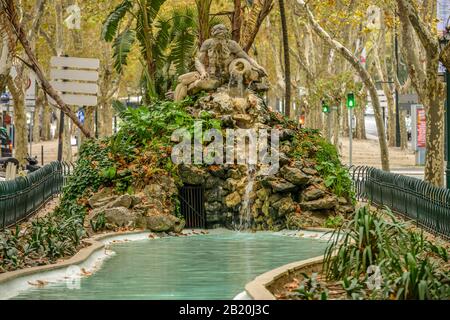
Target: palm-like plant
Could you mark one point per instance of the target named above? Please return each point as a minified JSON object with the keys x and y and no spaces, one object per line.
{"x":166,"y":42}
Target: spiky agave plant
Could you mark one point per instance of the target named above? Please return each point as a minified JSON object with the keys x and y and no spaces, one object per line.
{"x":410,"y":266}
{"x":362,"y":242}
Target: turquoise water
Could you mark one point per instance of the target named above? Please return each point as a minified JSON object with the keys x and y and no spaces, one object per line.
{"x":213,"y":266}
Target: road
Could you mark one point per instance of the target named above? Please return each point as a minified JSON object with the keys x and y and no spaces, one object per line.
{"x":371,"y":127}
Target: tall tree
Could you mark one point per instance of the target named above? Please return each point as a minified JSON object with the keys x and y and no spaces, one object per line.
{"x":203,"y":12}
{"x":166,"y":40}
{"x":15,"y":27}
{"x":18,"y":85}
{"x":364,"y":75}
{"x":287,"y":61}
{"x":426,"y":82}
{"x":7,"y":47}
{"x":236,"y":21}
{"x":257,"y":12}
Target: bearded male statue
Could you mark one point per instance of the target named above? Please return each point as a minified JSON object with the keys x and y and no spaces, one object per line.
{"x":217,"y":58}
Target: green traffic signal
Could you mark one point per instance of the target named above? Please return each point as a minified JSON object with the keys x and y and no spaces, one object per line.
{"x":325,"y":107}
{"x":351,"y":101}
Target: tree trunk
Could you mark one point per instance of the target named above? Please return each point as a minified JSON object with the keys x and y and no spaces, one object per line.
{"x":287,"y":59}
{"x":237,"y":21}
{"x":6,"y":52}
{"x":336,"y":124}
{"x":46,"y":120}
{"x":259,"y":12}
{"x":365,"y":77}
{"x":429,"y":88}
{"x":403,"y":131}
{"x":388,"y":91}
{"x":37,"y":117}
{"x":203,"y":10}
{"x":89,"y":121}
{"x":106,"y":119}
{"x":67,"y":141}
{"x":434,"y":162}
{"x":20,"y":119}
{"x":360,"y":119}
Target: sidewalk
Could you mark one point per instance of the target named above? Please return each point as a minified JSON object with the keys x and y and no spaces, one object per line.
{"x":367,"y":153}
{"x":50,"y":151}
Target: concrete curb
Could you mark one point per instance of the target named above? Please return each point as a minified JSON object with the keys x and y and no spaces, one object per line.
{"x":261,"y":287}
{"x":95,"y":245}
{"x":318,"y":229}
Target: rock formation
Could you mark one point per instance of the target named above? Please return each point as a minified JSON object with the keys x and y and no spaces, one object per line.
{"x":238,"y":195}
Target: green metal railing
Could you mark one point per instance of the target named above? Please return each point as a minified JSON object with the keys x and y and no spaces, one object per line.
{"x":427,"y":205}
{"x":22,"y":197}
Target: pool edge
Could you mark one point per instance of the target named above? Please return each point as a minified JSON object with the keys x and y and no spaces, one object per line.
{"x":257,"y":289}
{"x":94,"y":245}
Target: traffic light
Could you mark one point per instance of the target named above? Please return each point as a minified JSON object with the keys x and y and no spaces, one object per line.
{"x":325,"y":107}
{"x":351,"y":101}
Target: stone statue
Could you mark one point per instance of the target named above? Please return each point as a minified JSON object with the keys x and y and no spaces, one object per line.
{"x":218,"y":60}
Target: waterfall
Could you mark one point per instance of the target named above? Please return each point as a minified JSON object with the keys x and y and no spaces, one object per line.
{"x":245,"y":214}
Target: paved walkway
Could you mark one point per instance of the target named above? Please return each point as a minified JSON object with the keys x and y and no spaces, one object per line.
{"x":367,"y":153}
{"x":50,"y":151}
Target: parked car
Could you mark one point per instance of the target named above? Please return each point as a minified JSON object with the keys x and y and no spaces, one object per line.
{"x":6,"y":144}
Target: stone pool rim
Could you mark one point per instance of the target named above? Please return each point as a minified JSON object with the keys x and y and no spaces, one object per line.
{"x":258,"y":289}
{"x":94,"y":245}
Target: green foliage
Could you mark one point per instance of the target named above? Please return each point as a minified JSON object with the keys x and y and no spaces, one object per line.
{"x":48,"y":238}
{"x":111,"y":24}
{"x":334,"y":222}
{"x":310,"y":144}
{"x":337,"y":178}
{"x":311,"y":289}
{"x":411,"y":267}
{"x":122,"y":47}
{"x":93,"y":159}
{"x":143,"y":144}
{"x":167,"y":42}
{"x":146,"y":126}
{"x":99,"y":223}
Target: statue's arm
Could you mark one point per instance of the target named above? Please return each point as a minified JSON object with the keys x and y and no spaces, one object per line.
{"x":199,"y":66}
{"x":237,"y":50}
{"x":201,"y":58}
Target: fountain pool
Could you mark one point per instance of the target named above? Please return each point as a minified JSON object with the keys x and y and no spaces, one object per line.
{"x":212,"y":266}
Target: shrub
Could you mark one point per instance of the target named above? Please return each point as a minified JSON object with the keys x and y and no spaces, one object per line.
{"x":408,"y":265}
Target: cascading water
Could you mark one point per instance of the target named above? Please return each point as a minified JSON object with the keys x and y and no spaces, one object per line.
{"x":245,"y":214}
{"x":237,"y":88}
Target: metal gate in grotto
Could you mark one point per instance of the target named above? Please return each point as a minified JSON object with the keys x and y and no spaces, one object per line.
{"x":192,"y":203}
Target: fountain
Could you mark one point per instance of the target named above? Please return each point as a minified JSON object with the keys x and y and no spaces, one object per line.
{"x":246,"y":209}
